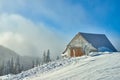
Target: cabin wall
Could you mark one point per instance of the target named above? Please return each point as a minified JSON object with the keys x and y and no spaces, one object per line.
{"x":78,"y":46}
{"x":66,"y":53}
{"x":85,"y":46}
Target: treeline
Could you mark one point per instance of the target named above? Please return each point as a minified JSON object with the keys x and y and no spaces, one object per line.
{"x":45,"y":59}
{"x":11,"y":66}
{"x":14,"y":66}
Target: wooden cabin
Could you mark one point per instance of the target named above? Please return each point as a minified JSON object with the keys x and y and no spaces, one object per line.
{"x":84,"y":43}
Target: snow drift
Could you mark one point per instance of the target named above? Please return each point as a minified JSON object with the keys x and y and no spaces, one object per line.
{"x":102,"y":67}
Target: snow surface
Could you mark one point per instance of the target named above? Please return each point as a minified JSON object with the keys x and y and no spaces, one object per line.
{"x":102,"y":67}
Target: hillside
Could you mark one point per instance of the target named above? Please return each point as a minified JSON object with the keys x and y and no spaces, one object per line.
{"x":6,"y":54}
{"x":102,"y":67}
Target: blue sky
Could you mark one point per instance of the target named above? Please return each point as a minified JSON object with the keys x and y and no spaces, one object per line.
{"x":78,"y":15}
{"x":65,"y":18}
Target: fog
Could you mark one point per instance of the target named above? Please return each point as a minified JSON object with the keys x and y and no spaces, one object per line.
{"x":28,"y":38}
{"x":23,"y":29}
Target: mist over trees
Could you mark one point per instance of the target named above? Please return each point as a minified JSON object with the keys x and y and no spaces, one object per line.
{"x":14,"y":66}
{"x":46,"y":57}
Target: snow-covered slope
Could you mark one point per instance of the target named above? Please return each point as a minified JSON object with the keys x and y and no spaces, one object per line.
{"x":102,"y":67}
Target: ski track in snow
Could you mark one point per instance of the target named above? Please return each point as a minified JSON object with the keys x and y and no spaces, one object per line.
{"x":102,"y":67}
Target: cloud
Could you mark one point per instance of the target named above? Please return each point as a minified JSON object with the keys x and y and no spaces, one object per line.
{"x":28,"y":38}
{"x":65,"y":17}
{"x":8,"y":37}
{"x":59,"y":12}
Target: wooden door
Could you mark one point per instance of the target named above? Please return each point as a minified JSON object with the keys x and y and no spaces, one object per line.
{"x":76,"y":52}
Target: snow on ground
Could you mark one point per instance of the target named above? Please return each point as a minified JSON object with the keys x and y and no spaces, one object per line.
{"x":94,"y":67}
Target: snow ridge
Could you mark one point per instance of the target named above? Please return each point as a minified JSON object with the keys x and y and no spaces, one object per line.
{"x":97,"y":66}
{"x":43,"y":68}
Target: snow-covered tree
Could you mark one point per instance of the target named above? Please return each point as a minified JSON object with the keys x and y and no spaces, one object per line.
{"x":33,"y":63}
{"x":17,"y":66}
{"x":37,"y":62}
{"x":44,"y":57}
{"x":48,"y":56}
{"x":57,"y":58}
{"x":2,"y":69}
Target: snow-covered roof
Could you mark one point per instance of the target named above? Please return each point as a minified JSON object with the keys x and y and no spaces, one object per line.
{"x":98,"y":40}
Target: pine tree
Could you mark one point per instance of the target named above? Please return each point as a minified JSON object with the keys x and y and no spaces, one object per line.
{"x":33,"y":64}
{"x":57,"y":58}
{"x":48,"y":56}
{"x":22,"y":67}
{"x":44,"y":57}
{"x":11,"y":65}
{"x":8,"y":67}
{"x":37,"y":62}
{"x":2,"y":69}
{"x":17,"y":66}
